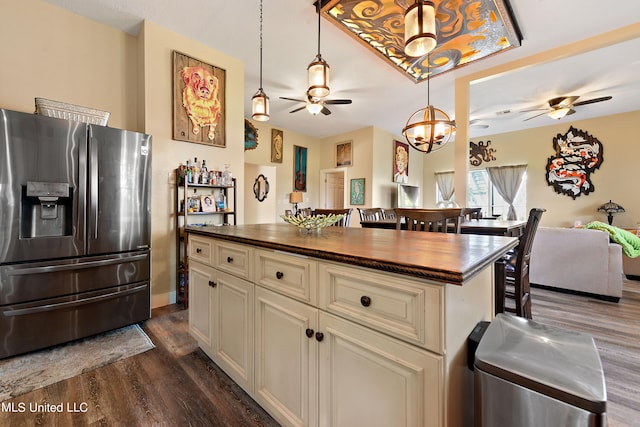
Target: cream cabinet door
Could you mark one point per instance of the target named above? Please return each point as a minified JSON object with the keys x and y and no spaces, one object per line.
{"x":369,"y":379}
{"x":200,"y":286}
{"x":232,"y":327}
{"x":286,"y":358}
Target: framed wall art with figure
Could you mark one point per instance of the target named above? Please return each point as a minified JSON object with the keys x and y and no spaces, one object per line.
{"x":357,"y":191}
{"x":198,"y":101}
{"x":300,"y":168}
{"x":344,"y":154}
{"x":400,"y":162}
{"x":277,"y":145}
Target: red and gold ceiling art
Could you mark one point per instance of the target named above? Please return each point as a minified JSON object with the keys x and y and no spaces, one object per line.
{"x":467,"y":30}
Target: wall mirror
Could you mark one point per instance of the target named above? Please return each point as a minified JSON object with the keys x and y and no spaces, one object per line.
{"x":261,"y":187}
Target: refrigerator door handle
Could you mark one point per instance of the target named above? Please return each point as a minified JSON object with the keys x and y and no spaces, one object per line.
{"x":69,"y":304}
{"x":79,"y":266}
{"x":93,"y":181}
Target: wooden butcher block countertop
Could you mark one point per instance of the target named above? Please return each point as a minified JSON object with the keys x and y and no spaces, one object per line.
{"x":445,"y":258}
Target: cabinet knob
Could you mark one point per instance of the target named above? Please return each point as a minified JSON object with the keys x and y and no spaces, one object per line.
{"x":365,"y":301}
{"x":229,"y":259}
{"x":279,"y":275}
{"x":319,"y":336}
{"x":212,"y":283}
{"x":198,"y":250}
{"x":309,"y":332}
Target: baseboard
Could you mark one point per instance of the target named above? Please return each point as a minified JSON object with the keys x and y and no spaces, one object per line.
{"x":608,"y":298}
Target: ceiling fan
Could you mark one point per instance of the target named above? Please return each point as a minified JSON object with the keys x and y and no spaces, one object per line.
{"x":315,"y":105}
{"x":563,"y":106}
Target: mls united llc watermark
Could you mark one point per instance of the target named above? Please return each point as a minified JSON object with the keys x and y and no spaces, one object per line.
{"x":21,"y":407}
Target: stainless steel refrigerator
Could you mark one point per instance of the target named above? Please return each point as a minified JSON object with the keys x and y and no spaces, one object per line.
{"x":75,"y":230}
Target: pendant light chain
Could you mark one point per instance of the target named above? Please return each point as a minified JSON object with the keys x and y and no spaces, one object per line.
{"x":260,"y":44}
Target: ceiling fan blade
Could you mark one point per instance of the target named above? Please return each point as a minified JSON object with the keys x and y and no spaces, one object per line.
{"x":298,"y":109}
{"x":592,"y":101}
{"x":476,"y":123}
{"x":325,"y":111}
{"x":292,"y":99}
{"x":534,"y":109}
{"x":337,"y":101}
{"x":570,"y":112}
{"x":537,"y":115}
{"x":562,"y":101}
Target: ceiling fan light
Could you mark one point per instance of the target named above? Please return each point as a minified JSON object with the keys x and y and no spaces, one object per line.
{"x":318,"y":74}
{"x":260,"y":106}
{"x":428,"y":129}
{"x":559,"y":113}
{"x":314,"y":108}
{"x":420,"y":28}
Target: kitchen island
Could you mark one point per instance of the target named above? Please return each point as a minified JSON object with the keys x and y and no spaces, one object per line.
{"x":346,"y":326}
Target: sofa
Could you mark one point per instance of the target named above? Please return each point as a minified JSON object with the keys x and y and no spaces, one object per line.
{"x":577,"y":260}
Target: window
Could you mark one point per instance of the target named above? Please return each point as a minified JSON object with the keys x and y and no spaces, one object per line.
{"x":482,"y":194}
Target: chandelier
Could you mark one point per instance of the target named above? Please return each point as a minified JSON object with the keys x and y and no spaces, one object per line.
{"x":429,"y":128}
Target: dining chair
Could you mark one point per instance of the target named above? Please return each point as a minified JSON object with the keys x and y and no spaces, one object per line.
{"x":512,"y":290}
{"x":389,"y":214}
{"x":344,"y":222}
{"x":371,"y":214}
{"x":435,"y":220}
{"x":471,"y":213}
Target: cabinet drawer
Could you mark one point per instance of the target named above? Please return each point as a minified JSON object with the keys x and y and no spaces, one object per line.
{"x":288,"y":274}
{"x":234,"y":259}
{"x":200,"y":249}
{"x":400,"y":307}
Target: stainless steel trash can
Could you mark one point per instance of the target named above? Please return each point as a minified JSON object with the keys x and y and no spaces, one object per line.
{"x":529,"y":375}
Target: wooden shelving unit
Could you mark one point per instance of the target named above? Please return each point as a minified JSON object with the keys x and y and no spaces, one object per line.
{"x":184,"y":193}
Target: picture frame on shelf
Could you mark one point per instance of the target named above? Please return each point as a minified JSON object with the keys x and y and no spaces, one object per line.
{"x":207,"y":204}
{"x":193,"y":204}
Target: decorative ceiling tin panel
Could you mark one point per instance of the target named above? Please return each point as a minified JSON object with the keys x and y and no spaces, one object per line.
{"x":467,"y":30}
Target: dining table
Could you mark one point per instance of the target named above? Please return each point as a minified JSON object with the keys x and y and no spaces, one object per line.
{"x":487,"y":227}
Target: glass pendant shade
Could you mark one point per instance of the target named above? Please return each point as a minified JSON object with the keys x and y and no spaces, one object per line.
{"x":260,"y":106}
{"x":314,"y":108}
{"x":318,"y":74}
{"x":428,"y":129}
{"x":559,"y":113}
{"x":420,"y":28}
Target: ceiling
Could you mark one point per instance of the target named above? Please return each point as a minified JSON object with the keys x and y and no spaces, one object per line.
{"x":382,"y":97}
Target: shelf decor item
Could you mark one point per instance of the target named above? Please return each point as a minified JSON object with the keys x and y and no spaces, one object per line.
{"x":311,"y":223}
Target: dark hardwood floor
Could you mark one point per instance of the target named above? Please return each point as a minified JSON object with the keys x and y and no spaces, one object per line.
{"x":615,"y":328}
{"x":176,"y":384}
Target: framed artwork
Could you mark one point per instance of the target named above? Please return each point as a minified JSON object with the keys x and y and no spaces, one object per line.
{"x":344,"y":153}
{"x":300,"y":168}
{"x":400,"y":162}
{"x":193,"y":204}
{"x":198,"y":101}
{"x":250,"y":136}
{"x":357,"y":191}
{"x":206,"y":203}
{"x":277,"y":145}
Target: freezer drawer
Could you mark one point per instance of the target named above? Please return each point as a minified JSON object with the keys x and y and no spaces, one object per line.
{"x":35,"y":325}
{"x":33,"y":281}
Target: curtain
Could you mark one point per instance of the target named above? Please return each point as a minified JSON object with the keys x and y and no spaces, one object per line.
{"x":444,"y":180}
{"x":507,"y":181}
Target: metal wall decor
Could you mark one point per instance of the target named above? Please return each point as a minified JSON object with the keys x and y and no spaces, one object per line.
{"x":577,"y":156}
{"x":467,"y":30}
{"x":480,"y":152}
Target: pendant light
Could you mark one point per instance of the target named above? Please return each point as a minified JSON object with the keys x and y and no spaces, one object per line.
{"x":429,"y":128}
{"x":420,"y":28}
{"x":260,"y":101}
{"x":318,"y":70}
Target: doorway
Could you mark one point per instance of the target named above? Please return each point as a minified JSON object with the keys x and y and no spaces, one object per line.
{"x":332,"y":194}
